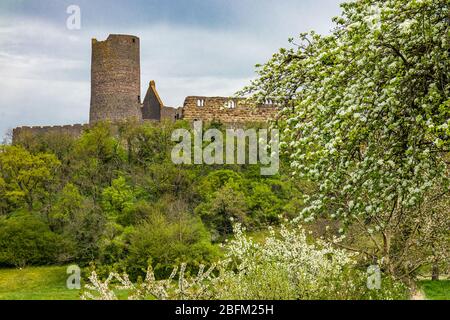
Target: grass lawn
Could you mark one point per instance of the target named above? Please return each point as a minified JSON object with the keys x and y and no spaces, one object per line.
{"x":49,"y":283}
{"x":436,"y":290}
{"x":39,"y":283}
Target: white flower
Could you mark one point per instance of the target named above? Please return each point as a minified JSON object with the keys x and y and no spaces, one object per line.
{"x":405,"y":27}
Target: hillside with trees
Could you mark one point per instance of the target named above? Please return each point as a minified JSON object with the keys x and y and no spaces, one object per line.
{"x":364,"y":180}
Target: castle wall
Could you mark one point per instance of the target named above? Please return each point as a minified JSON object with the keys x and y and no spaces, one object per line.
{"x":115,"y":94}
{"x":115,"y":79}
{"x":168,"y":113}
{"x":73,"y":130}
{"x":226,"y":110}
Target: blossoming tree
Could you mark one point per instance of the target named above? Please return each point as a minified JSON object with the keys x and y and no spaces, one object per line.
{"x":366,"y":114}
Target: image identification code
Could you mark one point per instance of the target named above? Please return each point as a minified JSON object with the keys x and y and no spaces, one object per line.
{"x":226,"y":309}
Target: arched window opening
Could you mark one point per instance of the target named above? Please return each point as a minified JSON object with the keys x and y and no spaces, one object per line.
{"x":231,"y":104}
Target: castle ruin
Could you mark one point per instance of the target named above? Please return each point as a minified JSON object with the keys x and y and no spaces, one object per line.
{"x":116,"y":94}
{"x":115,"y":79}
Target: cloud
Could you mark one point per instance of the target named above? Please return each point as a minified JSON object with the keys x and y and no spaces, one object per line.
{"x":33,"y":102}
{"x":204,"y":48}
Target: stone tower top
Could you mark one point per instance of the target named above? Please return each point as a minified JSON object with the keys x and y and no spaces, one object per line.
{"x":115,"y":79}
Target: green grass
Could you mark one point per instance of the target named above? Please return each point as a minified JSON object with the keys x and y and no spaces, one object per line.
{"x":40,"y":283}
{"x":49,"y":283}
{"x":37,"y":283}
{"x":436,"y":290}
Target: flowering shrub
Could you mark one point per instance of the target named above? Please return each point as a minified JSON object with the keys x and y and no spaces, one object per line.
{"x":285,"y":267}
{"x":167,"y":289}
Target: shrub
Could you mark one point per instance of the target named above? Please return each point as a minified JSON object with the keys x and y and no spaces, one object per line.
{"x":287,"y":267}
{"x":224,"y":205}
{"x":84,"y":230}
{"x":26,"y":240}
{"x":284,"y":267}
{"x":162,"y":242}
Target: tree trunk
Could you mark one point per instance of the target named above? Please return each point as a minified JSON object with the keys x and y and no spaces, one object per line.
{"x":435,"y":271}
{"x":387,"y":252}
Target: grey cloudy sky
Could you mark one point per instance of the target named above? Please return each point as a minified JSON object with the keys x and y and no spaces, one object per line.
{"x":190,"y":47}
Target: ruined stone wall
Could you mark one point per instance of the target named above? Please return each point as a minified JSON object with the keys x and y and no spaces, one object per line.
{"x":169,"y":113}
{"x":226,"y":110}
{"x":115,"y":79}
{"x":74,"y":130}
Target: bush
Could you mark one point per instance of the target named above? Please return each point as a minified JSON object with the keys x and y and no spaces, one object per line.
{"x":26,"y":240}
{"x":284,"y":267}
{"x":287,"y":267}
{"x":161,"y":242}
{"x":80,"y":222}
{"x":252,"y":201}
{"x":224,"y":206}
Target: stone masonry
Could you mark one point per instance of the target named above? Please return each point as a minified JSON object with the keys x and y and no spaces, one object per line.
{"x":116,"y":94}
{"x":115,"y":79}
{"x":226,"y":110}
{"x":152,"y":105}
{"x":73,"y":130}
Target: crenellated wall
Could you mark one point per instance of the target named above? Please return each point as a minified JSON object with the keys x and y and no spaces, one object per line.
{"x":73,"y":130}
{"x":226,"y":110}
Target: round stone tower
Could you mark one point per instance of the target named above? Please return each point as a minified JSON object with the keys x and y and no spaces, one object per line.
{"x":115,"y":79}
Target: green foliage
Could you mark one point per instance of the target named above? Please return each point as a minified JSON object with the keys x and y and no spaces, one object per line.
{"x":223,"y":207}
{"x":160,"y":242}
{"x":67,"y":204}
{"x":365,"y":120}
{"x":96,"y":158}
{"x":166,"y":178}
{"x":26,"y":240}
{"x":25,"y":178}
{"x":79,"y":222}
{"x":118,"y":202}
{"x":253,"y":201}
{"x":149,"y":143}
{"x":113,"y":245}
{"x":286,"y":266}
{"x":265,"y":205}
